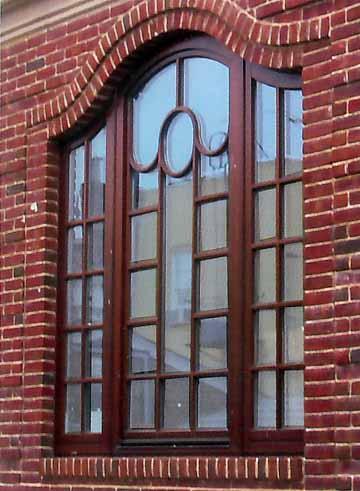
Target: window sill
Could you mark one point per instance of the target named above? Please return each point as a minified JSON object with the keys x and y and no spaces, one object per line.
{"x":277,"y":471}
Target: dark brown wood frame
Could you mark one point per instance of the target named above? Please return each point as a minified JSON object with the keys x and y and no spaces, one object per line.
{"x":241,"y":437}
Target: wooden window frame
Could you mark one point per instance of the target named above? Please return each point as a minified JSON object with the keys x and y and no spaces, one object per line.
{"x":240,"y":438}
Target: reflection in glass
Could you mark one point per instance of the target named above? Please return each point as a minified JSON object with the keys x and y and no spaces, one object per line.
{"x":265,"y":399}
{"x":265,"y":132}
{"x":143,"y":237}
{"x":214,"y":174}
{"x":265,"y":337}
{"x":143,"y":349}
{"x":73,"y":409}
{"x":97,"y":174}
{"x":76,"y":183}
{"x":142,"y":399}
{"x":293,"y":337}
{"x":212,"y":343}
{"x":95,"y":245}
{"x":75,"y":246}
{"x":293,"y":272}
{"x":145,"y":189}
{"x":293,"y":210}
{"x":207,"y":94}
{"x":74,"y":302}
{"x":294,"y":398}
{"x":150,"y":107}
{"x":94,"y":299}
{"x":179,"y":142}
{"x":93,"y":408}
{"x":213,"y":284}
{"x":73,"y":355}
{"x":213,"y":225}
{"x":212,"y":402}
{"x":143,"y":293}
{"x":265,"y":215}
{"x":93,"y":354}
{"x":176,"y":403}
{"x":265,"y":284}
{"x":293,"y":128}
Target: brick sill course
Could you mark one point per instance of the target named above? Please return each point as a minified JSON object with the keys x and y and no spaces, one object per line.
{"x":282,"y":472}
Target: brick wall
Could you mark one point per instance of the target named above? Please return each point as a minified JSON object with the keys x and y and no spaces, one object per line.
{"x":56,"y":81}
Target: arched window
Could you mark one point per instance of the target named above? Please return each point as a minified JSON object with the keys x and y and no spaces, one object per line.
{"x":181,"y":322}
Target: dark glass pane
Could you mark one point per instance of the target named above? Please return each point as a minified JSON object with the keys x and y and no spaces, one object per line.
{"x":145,"y":189}
{"x":142,"y":399}
{"x":150,"y":108}
{"x":75,"y":248}
{"x":143,"y":349}
{"x":95,"y":299}
{"x":293,"y":337}
{"x":213,"y":225}
{"x":143,"y":237}
{"x":97,"y":174}
{"x":74,"y":302}
{"x":214,"y":174}
{"x":94,"y":352}
{"x":212,"y":343}
{"x":265,"y":214}
{"x":207,"y":94}
{"x":213,"y":291}
{"x":179,"y":142}
{"x":294,"y":398}
{"x":73,"y":409}
{"x":76,"y":183}
{"x":265,"y":399}
{"x":73,"y":355}
{"x":265,"y":132}
{"x":265,"y":278}
{"x":212,"y":402}
{"x":96,"y":246}
{"x":293,"y":272}
{"x":176,"y":403}
{"x":143,"y":293}
{"x":93,"y":408}
{"x":265,"y":337}
{"x":293,"y":210}
{"x":293,"y":127}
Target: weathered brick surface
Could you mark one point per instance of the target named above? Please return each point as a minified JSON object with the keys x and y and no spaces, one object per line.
{"x":59,"y":78}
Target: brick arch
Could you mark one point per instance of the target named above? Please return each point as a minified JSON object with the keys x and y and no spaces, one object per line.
{"x":274,"y":45}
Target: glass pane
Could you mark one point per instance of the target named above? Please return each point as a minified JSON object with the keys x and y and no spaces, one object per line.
{"x":75,"y":246}
{"x":143,"y":237}
{"x":212,"y":343}
{"x":76,"y":183}
{"x":176,"y":403}
{"x":73,"y":409}
{"x":213,"y":284}
{"x":293,"y":210}
{"x":265,"y":337}
{"x":265,"y":133}
{"x":293,"y":272}
{"x":265,"y":214}
{"x":213,"y":225}
{"x":214,"y":174}
{"x":73,"y":355}
{"x":143,"y":349}
{"x":177,"y":271}
{"x":207,"y":94}
{"x":150,"y":107}
{"x":96,"y":246}
{"x":294,"y":398}
{"x":293,"y":128}
{"x":212,"y":402}
{"x":93,"y":408}
{"x":145,"y":189}
{"x":293,"y":337}
{"x":265,"y":399}
{"x":94,"y":353}
{"x":95,"y":299}
{"x":97,"y":174}
{"x":143,"y":293}
{"x":179,"y":142}
{"x":142,"y":399}
{"x":265,"y":278}
{"x":74,"y":302}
